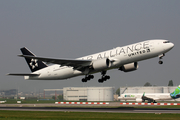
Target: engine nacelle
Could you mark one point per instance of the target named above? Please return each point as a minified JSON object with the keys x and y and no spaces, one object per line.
{"x":139,"y":100}
{"x":129,"y":67}
{"x":101,"y":64}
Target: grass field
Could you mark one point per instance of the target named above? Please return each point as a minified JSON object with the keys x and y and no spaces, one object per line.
{"x":41,"y":115}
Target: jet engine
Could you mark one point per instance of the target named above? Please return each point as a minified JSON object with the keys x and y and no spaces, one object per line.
{"x":101,"y":64}
{"x":129,"y":67}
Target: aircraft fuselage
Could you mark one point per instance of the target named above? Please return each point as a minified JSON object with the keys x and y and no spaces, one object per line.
{"x":118,"y":57}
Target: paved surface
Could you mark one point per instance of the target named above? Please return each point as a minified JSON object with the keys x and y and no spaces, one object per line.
{"x":87,"y":108}
{"x":111,"y":104}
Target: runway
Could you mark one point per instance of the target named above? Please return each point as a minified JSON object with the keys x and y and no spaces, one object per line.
{"x":112,"y":107}
{"x":89,"y":109}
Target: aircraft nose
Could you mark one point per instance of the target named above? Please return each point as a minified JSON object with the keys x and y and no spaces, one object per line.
{"x":172,"y":45}
{"x":168,"y":46}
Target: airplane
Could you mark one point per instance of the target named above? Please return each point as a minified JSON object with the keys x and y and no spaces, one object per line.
{"x":124,"y":58}
{"x":151,"y":97}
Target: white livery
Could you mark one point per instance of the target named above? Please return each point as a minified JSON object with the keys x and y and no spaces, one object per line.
{"x":150,"y":97}
{"x":123,"y":58}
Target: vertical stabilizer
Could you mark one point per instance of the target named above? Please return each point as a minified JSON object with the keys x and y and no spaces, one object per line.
{"x":33,"y":64}
{"x":176,"y":93}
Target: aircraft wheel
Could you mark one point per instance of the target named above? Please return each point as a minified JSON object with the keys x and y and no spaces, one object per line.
{"x":107,"y":77}
{"x":88,"y":78}
{"x":91,"y":76}
{"x":100,"y":81}
{"x":160,"y":62}
{"x":84,"y":80}
{"x":103,"y":79}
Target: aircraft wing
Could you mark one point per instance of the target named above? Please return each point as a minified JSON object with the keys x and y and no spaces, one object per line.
{"x":156,"y":98}
{"x":149,"y":98}
{"x":63,"y":62}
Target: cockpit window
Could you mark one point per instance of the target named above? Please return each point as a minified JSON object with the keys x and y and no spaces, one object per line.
{"x":166,"y":42}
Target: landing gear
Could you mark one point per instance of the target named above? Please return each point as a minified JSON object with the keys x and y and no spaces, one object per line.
{"x":104,"y":77}
{"x":151,"y":101}
{"x":101,"y":80}
{"x":87,"y":77}
{"x":160,"y":62}
{"x":160,"y":57}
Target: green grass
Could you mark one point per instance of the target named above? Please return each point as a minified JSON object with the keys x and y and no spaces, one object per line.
{"x":41,"y":115}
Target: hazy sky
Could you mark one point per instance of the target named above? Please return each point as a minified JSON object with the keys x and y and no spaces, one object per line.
{"x":75,"y":28}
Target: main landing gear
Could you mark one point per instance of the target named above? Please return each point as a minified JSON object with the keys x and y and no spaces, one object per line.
{"x":160,"y":57}
{"x":101,"y":80}
{"x":87,"y":77}
{"x":104,"y":77}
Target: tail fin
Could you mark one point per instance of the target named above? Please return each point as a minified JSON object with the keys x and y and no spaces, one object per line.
{"x":33,"y":64}
{"x":176,"y":93}
{"x":144,"y":94}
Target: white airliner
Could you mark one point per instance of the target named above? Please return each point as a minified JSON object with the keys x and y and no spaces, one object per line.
{"x":123,"y":58}
{"x":150,"y":97}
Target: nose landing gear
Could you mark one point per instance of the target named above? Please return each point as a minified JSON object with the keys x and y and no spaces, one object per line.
{"x":160,"y":57}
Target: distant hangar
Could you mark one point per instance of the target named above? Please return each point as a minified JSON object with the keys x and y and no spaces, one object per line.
{"x":88,"y":93}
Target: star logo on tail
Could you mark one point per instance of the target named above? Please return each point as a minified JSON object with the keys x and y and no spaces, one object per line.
{"x":33,"y":63}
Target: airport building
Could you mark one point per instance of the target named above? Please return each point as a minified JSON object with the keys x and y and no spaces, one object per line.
{"x":88,"y":93}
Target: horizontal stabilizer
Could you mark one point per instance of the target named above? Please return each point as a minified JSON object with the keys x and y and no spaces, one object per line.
{"x":23,"y":74}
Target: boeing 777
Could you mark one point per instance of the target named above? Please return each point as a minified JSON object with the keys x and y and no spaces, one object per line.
{"x":124,"y":58}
